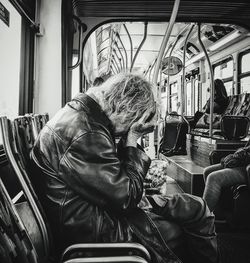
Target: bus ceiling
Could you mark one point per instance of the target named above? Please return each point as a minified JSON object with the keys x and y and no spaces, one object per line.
{"x":216,"y":11}
{"x":106,"y":17}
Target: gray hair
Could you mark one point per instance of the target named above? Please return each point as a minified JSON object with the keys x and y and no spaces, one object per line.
{"x":130,"y":94}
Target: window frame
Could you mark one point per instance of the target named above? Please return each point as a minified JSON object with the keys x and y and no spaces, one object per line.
{"x":240,"y":74}
{"x":223,"y":61}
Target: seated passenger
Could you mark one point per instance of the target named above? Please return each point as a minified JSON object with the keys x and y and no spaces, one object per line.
{"x":220,"y":98}
{"x":92,"y":188}
{"x":220,"y":101}
{"x":220,"y":105}
{"x":231,"y":171}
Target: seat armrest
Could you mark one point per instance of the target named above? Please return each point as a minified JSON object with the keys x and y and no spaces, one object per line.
{"x":125,"y":259}
{"x":106,"y":250}
{"x":216,"y":155}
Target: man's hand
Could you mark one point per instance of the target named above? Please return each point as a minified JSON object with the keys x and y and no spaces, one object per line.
{"x":140,"y":128}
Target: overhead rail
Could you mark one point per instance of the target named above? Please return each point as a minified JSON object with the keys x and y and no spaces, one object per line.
{"x":111,"y":50}
{"x":122,"y":58}
{"x":80,"y":49}
{"x":169,"y":64}
{"x":114,"y":63}
{"x":124,"y":49}
{"x":146,"y":71}
{"x":141,"y":44}
{"x":119,"y":59}
{"x":131,"y":44}
{"x":184,"y":67}
{"x":149,"y":75}
{"x":212,"y":82}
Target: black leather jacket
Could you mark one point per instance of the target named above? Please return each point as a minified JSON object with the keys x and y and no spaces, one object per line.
{"x":92,"y":188}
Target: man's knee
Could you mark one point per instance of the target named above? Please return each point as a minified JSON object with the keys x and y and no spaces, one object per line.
{"x":215,"y":178}
{"x":206,"y":173}
{"x":183,"y":208}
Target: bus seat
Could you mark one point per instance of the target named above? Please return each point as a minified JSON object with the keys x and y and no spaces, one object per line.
{"x":37,"y":228}
{"x":43,"y":247}
{"x":38,"y":122}
{"x":234,"y":204}
{"x":126,"y":259}
{"x":237,"y":114}
{"x":13,"y":235}
{"x":24,"y":137}
{"x":108,"y":249}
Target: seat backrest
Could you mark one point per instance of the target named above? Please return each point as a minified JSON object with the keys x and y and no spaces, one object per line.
{"x":244,"y":109}
{"x":15,"y":241}
{"x":24,"y":137}
{"x":233,"y":105}
{"x":39,"y":234}
{"x":38,"y":122}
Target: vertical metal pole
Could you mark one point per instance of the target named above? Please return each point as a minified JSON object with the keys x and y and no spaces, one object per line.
{"x":141,"y":44}
{"x":165,"y":40}
{"x":122,"y":58}
{"x":125,"y":51}
{"x":151,"y":151}
{"x":131,"y":44}
{"x":183,"y":71}
{"x":211,"y":84}
{"x":169,"y":63}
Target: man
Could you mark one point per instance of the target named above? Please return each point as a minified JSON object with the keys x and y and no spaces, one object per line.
{"x":92,"y":188}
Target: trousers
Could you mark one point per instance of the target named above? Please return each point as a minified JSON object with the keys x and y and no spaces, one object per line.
{"x":216,"y":178}
{"x":197,"y":222}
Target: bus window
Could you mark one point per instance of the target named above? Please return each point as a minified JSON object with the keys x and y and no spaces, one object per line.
{"x":10,"y":46}
{"x":224,"y":71}
{"x":189,"y":98}
{"x":173,"y":97}
{"x":244,"y":71}
{"x":196,"y":95}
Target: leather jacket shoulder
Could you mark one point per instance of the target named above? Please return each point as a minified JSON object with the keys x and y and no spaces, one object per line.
{"x":77,"y":147}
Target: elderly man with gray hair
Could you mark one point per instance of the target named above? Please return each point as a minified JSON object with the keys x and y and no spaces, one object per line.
{"x":92,"y":187}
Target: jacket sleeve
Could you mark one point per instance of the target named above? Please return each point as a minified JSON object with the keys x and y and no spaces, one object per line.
{"x":240,"y":158}
{"x":92,"y":168}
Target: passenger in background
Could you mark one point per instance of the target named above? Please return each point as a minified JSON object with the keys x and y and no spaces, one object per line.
{"x":220,"y":102}
{"x":220,"y":98}
{"x":231,"y":171}
{"x":92,"y":188}
{"x":181,"y":128}
{"x":98,"y":81}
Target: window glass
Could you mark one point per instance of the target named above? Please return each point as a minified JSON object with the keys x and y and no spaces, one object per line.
{"x":10,"y":46}
{"x":223,"y":71}
{"x":245,"y":66}
{"x":196,"y":95}
{"x":229,"y":87}
{"x":174,"y":103}
{"x":173,"y":97}
{"x":189,"y":98}
{"x":245,"y":84}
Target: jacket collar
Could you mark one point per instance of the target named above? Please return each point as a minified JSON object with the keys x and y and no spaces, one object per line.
{"x":94,"y":109}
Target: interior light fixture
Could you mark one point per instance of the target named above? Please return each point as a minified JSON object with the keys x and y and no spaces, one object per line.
{"x":226,"y":39}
